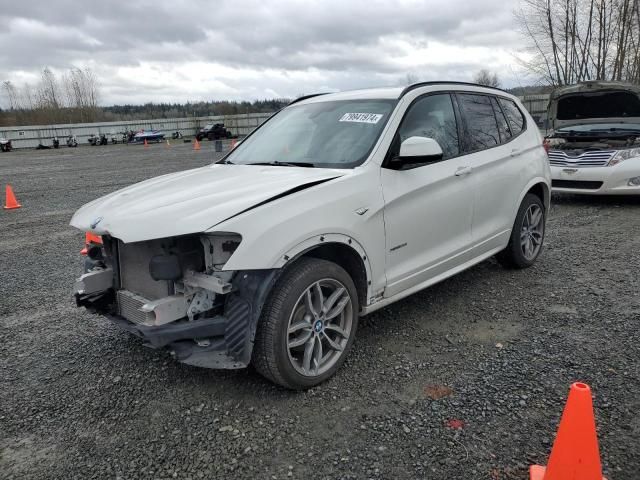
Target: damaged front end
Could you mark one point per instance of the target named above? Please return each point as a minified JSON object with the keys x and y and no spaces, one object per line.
{"x":174,"y":293}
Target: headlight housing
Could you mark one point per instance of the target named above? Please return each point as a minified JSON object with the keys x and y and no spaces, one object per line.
{"x":624,"y":155}
{"x":218,"y":248}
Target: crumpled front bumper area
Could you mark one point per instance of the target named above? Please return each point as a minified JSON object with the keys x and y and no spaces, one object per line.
{"x":223,"y":341}
{"x":218,"y":342}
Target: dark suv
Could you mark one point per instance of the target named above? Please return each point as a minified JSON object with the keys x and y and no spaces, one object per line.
{"x":213,"y":131}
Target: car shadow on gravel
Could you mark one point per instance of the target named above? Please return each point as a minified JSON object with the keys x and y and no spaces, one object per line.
{"x":160,"y":368}
{"x":428,"y":312}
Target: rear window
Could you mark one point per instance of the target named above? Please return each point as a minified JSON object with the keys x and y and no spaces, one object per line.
{"x":482,"y":128}
{"x":598,"y":105}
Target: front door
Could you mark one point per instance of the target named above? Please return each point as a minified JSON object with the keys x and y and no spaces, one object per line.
{"x":428,"y":209}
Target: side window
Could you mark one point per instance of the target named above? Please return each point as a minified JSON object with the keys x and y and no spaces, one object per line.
{"x":503,"y":125}
{"x":513,"y":114}
{"x":432,"y":116}
{"x":481,"y":126}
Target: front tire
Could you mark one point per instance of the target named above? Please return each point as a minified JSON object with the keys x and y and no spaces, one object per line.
{"x":527,"y":235}
{"x":308,"y":324}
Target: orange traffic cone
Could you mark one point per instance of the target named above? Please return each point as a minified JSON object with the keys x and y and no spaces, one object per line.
{"x":10,"y":202}
{"x":146,"y":145}
{"x":575,"y":454}
{"x":89,"y":239}
{"x":196,"y":146}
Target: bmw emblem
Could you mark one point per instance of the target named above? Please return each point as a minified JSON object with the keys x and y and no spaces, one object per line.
{"x":318,"y":326}
{"x":95,"y":222}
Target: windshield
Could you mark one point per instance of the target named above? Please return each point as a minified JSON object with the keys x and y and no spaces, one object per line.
{"x":208,"y":126}
{"x":338,"y":134}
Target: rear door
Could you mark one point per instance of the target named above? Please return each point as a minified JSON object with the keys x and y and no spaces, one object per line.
{"x":428,"y":209}
{"x":494,"y":153}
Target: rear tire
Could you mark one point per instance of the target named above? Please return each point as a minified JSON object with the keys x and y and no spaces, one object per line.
{"x":527,"y":235}
{"x":307,"y":326}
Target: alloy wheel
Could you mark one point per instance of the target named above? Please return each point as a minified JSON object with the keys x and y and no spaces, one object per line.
{"x":319,"y":327}
{"x":532,"y":232}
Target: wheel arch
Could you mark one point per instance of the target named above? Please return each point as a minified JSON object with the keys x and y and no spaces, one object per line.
{"x":341,"y":250}
{"x":539,"y":187}
{"x":542,"y":191}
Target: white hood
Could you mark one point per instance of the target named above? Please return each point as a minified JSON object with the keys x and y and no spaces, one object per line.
{"x":191,"y":201}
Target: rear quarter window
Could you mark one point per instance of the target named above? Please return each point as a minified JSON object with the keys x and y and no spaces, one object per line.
{"x":503,"y":124}
{"x":513,"y":114}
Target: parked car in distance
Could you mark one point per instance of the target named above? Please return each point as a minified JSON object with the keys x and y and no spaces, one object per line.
{"x":5,"y":145}
{"x":147,"y":135}
{"x":594,"y":144}
{"x":336,"y":206}
{"x":213,"y":131}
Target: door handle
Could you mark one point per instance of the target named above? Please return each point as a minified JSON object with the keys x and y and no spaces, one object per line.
{"x":516,"y":151}
{"x":463,"y":171}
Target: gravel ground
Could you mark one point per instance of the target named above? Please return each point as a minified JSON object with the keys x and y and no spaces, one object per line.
{"x":464,"y":380}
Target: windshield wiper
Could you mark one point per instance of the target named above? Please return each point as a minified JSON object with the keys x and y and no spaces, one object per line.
{"x":285,"y":164}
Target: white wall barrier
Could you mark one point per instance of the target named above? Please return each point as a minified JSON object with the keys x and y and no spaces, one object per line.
{"x":31,"y":136}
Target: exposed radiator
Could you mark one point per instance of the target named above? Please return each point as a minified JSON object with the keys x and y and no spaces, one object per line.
{"x":134,"y":269}
{"x":129,"y":307}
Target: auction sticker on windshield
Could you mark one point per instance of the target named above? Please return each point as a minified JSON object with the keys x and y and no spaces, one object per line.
{"x":361,"y":117}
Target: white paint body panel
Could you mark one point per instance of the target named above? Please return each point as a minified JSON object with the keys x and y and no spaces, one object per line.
{"x":428,"y":215}
{"x":448,"y":222}
{"x":615,"y":179}
{"x":190,"y":201}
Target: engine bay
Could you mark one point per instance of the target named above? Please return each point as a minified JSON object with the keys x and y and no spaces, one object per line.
{"x":587,"y":143}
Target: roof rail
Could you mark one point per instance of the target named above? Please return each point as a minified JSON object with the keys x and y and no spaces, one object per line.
{"x":426,"y":84}
{"x":304,"y":97}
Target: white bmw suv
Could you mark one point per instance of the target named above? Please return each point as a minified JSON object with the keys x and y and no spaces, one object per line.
{"x":336,"y":206}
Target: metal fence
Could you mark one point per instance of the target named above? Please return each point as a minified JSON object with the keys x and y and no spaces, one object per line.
{"x":537,"y":106}
{"x":243,"y":124}
{"x":31,"y":136}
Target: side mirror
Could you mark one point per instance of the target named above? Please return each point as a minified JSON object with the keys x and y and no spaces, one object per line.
{"x":415,"y":152}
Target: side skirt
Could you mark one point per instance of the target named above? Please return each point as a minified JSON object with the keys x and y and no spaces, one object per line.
{"x":421,"y":286}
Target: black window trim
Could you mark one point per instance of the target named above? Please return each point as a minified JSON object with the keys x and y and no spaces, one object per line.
{"x":459,"y":130}
{"x":497,"y":97}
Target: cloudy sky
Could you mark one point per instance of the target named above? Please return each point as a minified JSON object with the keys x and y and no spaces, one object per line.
{"x":242,"y":49}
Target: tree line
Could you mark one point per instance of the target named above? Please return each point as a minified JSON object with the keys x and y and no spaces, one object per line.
{"x":73,"y":97}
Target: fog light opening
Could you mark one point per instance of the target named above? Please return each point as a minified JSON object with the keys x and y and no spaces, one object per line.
{"x":634,"y":182}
